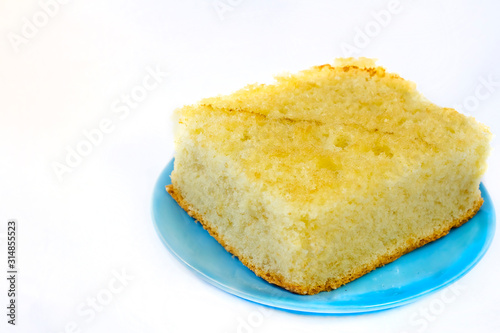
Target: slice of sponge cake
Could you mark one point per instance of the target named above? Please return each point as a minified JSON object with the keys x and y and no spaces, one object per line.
{"x":325,"y":175}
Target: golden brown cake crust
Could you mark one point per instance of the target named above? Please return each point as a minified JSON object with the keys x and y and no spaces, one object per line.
{"x":332,"y":283}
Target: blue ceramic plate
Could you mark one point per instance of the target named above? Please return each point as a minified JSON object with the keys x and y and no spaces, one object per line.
{"x":415,"y":274}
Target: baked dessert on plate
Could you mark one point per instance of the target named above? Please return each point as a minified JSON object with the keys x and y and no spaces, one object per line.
{"x":327,"y":174}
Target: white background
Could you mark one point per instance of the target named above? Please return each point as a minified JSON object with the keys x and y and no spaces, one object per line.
{"x":68,"y":72}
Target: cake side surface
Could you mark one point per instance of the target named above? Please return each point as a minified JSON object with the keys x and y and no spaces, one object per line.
{"x":332,"y":283}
